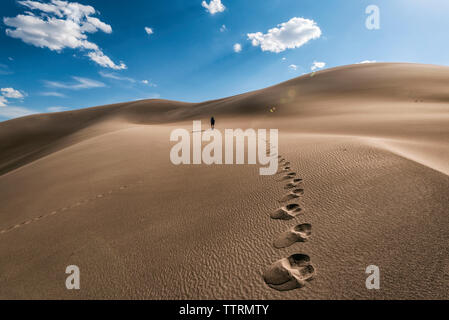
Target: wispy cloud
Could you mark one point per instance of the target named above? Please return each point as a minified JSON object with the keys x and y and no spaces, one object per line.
{"x":60,"y":24}
{"x":148,"y":83}
{"x":80,"y":83}
{"x":115,"y":76}
{"x":4,"y":69}
{"x":154,"y":96}
{"x":288,"y":35}
{"x":223,"y":28}
{"x":293,"y":66}
{"x":15,"y":112}
{"x":57,"y":109}
{"x":367,"y":61}
{"x":53,"y":94}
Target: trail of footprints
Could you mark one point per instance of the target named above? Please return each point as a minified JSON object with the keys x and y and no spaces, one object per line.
{"x":73,"y":206}
{"x":285,"y":274}
{"x":294,"y":271}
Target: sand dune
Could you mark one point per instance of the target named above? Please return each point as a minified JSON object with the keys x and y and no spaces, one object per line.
{"x":364,"y":153}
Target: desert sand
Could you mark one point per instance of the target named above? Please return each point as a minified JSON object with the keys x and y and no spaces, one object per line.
{"x":364,"y":179}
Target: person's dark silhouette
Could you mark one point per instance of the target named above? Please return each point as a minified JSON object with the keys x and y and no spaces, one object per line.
{"x":212,"y":123}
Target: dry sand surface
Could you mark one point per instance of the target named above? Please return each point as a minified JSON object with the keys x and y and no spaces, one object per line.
{"x":365,"y":180}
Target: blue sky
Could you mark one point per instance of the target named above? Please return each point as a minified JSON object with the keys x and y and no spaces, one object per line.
{"x":62,"y":55}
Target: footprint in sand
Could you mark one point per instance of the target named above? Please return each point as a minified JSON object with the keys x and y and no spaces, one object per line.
{"x":286,"y":213}
{"x":290,"y":175}
{"x":299,"y":233}
{"x":292,"y":195}
{"x":284,"y":169}
{"x":290,"y":273}
{"x":288,"y":197}
{"x":293,"y":184}
{"x":68,"y":208}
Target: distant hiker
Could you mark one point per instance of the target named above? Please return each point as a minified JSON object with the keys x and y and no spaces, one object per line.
{"x":212,"y":123}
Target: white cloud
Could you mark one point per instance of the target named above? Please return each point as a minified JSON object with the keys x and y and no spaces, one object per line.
{"x":11,"y":93}
{"x":59,"y":25}
{"x":3,"y":101}
{"x":288,"y":35}
{"x":284,"y":58}
{"x":367,"y":61}
{"x":7,"y":111}
{"x":55,"y":34}
{"x":149,"y":30}
{"x":94,"y":23}
{"x":56,"y":109}
{"x":80,"y":83}
{"x":115,"y":77}
{"x":317,"y":65}
{"x":15,"y":112}
{"x":214,"y":6}
{"x":104,"y":61}
{"x":293,"y":66}
{"x":223,"y":28}
{"x":237,"y":47}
